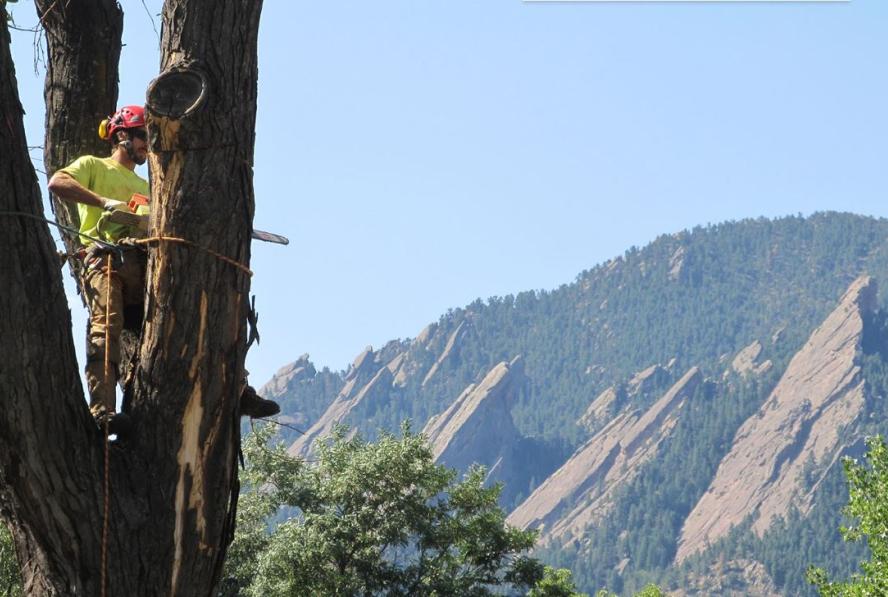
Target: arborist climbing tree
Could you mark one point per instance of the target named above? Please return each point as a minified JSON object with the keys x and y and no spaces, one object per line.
{"x":173,"y":483}
{"x":114,"y":273}
{"x":113,"y":264}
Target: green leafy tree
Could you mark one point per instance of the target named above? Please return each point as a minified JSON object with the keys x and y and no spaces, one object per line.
{"x":555,"y":583}
{"x":372,"y":518}
{"x":650,"y":590}
{"x":868,"y":506}
{"x":10,"y":579}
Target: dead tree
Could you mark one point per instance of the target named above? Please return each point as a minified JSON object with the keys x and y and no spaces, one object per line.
{"x":173,"y":483}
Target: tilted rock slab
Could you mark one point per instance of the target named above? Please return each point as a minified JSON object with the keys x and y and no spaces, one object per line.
{"x":300,"y":370}
{"x":579,"y":493}
{"x":598,"y":409}
{"x":820,"y":392}
{"x":365,"y":380}
{"x":478,"y":427}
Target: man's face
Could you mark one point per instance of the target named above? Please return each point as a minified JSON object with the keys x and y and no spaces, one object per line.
{"x":139,"y":137}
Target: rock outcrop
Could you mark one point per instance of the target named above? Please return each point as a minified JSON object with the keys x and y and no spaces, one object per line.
{"x":287,"y":376}
{"x":820,"y":393}
{"x":579,"y":493}
{"x":676,"y":263}
{"x":598,"y":409}
{"x":478,"y":429}
{"x":746,"y":361}
{"x":367,"y":378}
{"x":449,"y":349}
{"x":644,"y":381}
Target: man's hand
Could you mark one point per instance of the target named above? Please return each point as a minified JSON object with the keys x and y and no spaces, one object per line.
{"x":113,"y":204}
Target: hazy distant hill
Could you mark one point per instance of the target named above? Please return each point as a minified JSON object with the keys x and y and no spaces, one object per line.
{"x":624,"y":409}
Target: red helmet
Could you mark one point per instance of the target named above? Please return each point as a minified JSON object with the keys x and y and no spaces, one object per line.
{"x":127,"y":117}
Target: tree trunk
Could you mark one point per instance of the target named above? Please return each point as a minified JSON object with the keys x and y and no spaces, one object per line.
{"x":83,"y":40}
{"x":173,"y":482}
{"x":50,"y":451}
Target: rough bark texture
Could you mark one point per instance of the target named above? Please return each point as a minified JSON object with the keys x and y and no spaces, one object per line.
{"x":50,"y":451}
{"x":174,"y":481}
{"x":83,"y":43}
{"x":83,"y":39}
{"x":190,"y":361}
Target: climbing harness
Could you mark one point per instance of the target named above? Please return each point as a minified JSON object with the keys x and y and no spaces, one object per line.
{"x":117,"y":247}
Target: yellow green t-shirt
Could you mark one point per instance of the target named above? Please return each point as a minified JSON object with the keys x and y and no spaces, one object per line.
{"x":107,"y":178}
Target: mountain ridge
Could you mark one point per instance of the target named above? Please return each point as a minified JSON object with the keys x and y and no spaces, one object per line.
{"x":734,"y":302}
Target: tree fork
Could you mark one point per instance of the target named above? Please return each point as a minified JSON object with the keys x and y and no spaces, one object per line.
{"x":50,"y":451}
{"x":174,"y":482}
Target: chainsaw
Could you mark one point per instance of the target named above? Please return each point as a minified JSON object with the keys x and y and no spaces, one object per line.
{"x":137,"y":217}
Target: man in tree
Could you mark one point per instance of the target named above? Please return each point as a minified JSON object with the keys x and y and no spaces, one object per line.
{"x":114,"y":278}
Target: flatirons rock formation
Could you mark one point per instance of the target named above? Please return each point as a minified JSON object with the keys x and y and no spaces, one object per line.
{"x":579,"y":493}
{"x":369,"y":377}
{"x":599,"y":409}
{"x":284,"y":380}
{"x":820,"y":392}
{"x":478,"y":429}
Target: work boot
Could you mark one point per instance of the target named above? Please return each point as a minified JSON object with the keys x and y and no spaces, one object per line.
{"x":119,"y":424}
{"x":255,"y":407}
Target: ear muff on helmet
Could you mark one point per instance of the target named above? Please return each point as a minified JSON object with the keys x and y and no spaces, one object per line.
{"x":103,"y":130}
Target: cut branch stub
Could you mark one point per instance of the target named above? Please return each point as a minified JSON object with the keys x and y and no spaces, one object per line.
{"x":178,"y":92}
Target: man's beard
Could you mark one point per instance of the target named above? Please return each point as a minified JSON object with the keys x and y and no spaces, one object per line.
{"x":131,"y":153}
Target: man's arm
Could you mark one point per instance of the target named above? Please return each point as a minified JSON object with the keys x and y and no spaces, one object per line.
{"x":66,"y":188}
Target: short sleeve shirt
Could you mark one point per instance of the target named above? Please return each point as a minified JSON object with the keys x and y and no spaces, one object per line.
{"x":107,"y":178}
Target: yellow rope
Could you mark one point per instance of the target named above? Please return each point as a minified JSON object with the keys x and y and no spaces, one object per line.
{"x":173,"y":239}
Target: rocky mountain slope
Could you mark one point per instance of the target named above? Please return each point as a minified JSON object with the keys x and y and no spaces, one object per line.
{"x":580,"y":492}
{"x":690,"y":469}
{"x":799,"y":425}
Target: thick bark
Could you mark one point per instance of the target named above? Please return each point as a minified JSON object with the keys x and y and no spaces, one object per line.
{"x":83,"y":43}
{"x":83,"y":40}
{"x":190,"y":361}
{"x":173,"y":483}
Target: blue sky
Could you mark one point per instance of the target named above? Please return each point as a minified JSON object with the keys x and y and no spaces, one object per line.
{"x":422,"y":154}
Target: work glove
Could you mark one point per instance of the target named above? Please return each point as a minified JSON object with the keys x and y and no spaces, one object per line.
{"x":113,"y":204}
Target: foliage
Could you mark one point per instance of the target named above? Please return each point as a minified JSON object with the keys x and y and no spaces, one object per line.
{"x":868,"y":506}
{"x":650,"y":590}
{"x":555,"y":583}
{"x":10,"y":578}
{"x":370,"y":518}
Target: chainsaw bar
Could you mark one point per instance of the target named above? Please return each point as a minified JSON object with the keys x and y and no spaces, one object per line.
{"x":270,"y":237}
{"x":137,"y":221}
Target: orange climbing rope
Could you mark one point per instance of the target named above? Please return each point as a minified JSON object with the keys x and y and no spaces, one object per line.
{"x":107,"y":482}
{"x":174,"y":239}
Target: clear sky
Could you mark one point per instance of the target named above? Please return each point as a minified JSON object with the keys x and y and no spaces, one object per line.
{"x":421,"y":154}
